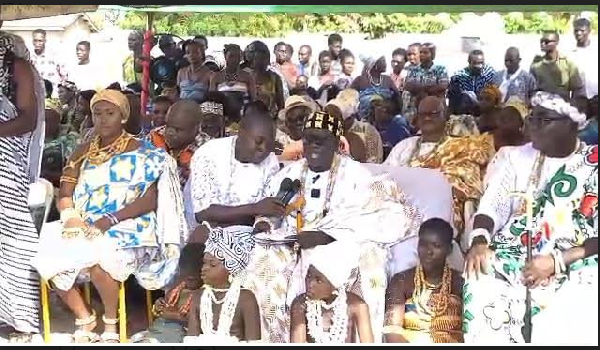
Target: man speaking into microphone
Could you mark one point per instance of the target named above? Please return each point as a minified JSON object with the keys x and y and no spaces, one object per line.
{"x":229,"y":175}
{"x":338,"y":200}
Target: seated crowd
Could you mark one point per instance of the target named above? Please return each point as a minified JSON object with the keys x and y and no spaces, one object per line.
{"x":264,"y":200}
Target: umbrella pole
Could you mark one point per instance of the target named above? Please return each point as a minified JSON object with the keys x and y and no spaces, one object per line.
{"x":148,"y":43}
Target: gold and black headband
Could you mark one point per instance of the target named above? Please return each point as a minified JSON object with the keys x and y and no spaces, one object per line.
{"x":325,"y":121}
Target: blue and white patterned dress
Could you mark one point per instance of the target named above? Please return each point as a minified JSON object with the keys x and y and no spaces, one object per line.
{"x":135,"y":246}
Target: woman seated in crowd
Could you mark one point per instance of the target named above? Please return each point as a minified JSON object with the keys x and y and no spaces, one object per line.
{"x":373,"y":83}
{"x":121,"y":214}
{"x":233,"y":81}
{"x":269,"y":86}
{"x":194,"y":80}
{"x":327,"y":313}
{"x":424,"y":304}
{"x":460,"y":159}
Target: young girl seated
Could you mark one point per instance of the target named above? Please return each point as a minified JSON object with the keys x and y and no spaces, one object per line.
{"x":172,"y":310}
{"x":424,"y":304}
{"x":224,"y":312}
{"x":327,"y":313}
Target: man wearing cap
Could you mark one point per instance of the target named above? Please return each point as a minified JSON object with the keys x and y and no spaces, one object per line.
{"x":347,"y":106}
{"x":560,"y":174}
{"x":338,"y":200}
{"x":297,"y":110}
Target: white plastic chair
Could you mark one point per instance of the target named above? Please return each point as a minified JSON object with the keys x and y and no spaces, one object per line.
{"x":431,"y":193}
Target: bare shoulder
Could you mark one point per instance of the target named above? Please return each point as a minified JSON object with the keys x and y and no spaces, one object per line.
{"x":354,"y":300}
{"x":299,"y":303}
{"x":80,"y":150}
{"x":247,"y":298}
{"x":457,"y":283}
{"x":403,"y":277}
{"x":356,"y":304}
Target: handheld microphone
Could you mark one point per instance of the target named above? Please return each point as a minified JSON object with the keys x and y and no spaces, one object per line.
{"x":284,"y":188}
{"x":295,"y":188}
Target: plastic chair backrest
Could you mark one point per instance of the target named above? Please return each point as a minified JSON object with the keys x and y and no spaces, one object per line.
{"x":427,"y":189}
{"x":41,"y":195}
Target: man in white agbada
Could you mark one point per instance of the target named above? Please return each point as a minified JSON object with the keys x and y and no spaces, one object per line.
{"x":326,"y":301}
{"x":229,"y":175}
{"x":338,"y":201}
{"x":560,"y":174}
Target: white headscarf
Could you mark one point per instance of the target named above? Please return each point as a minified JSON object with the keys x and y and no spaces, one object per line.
{"x":336,"y":261}
{"x":557,"y":104}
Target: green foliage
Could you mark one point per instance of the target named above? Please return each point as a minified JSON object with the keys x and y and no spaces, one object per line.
{"x":373,"y":25}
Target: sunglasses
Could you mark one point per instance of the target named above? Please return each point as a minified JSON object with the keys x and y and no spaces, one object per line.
{"x":547,"y":41}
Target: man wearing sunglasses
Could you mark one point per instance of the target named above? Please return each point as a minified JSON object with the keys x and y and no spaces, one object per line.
{"x":554,"y":73}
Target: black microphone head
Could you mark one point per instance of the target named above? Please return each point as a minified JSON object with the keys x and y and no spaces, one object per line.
{"x":295,"y":188}
{"x":286,"y":184}
{"x":284,"y":188}
{"x":296,"y":185}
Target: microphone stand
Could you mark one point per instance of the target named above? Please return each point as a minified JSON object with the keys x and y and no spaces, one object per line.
{"x":529,"y":228}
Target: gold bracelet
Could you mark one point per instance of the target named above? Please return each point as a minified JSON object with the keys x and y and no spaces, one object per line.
{"x":393,"y":329}
{"x":69,"y":179}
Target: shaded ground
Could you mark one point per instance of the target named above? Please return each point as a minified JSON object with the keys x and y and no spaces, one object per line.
{"x":63,"y":322}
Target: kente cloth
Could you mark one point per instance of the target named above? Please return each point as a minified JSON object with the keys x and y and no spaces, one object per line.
{"x":146,"y":246}
{"x":461,"y":159}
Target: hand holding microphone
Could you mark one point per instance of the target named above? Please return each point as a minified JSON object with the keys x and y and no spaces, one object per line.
{"x":275,"y":206}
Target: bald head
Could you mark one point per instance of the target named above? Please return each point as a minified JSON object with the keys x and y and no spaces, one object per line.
{"x":512,"y":59}
{"x":185,"y":110}
{"x":183,"y":124}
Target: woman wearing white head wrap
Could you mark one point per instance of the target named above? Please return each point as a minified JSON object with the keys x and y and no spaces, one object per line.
{"x":560,"y":174}
{"x":372,"y":83}
{"x":326,"y":299}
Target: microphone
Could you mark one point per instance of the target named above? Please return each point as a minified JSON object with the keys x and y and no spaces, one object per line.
{"x":295,"y":188}
{"x":284,"y":188}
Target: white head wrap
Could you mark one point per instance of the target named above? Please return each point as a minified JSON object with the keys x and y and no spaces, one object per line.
{"x":557,"y":104}
{"x":336,"y":261}
{"x":233,"y":248}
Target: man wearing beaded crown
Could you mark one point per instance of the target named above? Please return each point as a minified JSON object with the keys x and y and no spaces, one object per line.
{"x":339,"y":200}
{"x":326,"y":303}
{"x":559,"y":177}
{"x":228,"y":176}
{"x":224,"y":312}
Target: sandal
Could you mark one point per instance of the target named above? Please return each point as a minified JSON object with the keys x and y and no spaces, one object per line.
{"x":83,"y":336}
{"x":110,"y":337}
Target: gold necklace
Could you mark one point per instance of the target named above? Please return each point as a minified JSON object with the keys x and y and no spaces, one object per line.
{"x":438,"y":301}
{"x":415,"y":153}
{"x":97,"y":155}
{"x":332,"y":176}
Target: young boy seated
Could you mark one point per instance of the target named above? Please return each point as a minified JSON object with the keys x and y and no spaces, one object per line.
{"x":327,"y":313}
{"x":424,"y":304}
{"x":160,"y":107}
{"x":224,"y":312}
{"x":172,"y":310}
